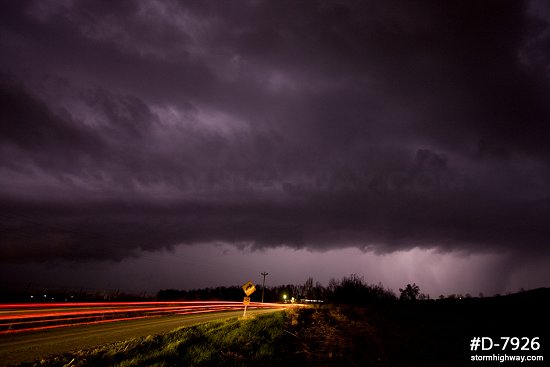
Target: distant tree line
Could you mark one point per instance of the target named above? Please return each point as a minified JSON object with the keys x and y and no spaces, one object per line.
{"x":232,"y":293}
{"x":349,"y":290}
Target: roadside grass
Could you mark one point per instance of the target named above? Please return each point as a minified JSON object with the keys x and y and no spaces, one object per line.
{"x":423,"y":334}
{"x":326,"y":336}
{"x":259,"y":341}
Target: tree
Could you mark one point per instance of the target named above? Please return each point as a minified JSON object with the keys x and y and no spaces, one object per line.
{"x":410,"y":293}
{"x":307,"y":289}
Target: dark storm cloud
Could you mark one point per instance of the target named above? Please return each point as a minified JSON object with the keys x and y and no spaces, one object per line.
{"x":382,"y":125}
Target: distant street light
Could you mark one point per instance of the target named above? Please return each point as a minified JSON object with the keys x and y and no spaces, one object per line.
{"x":263,"y":286}
{"x":284,"y":297}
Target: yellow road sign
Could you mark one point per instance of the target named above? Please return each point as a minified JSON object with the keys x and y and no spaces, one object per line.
{"x":249,"y":288}
{"x":246,"y":301}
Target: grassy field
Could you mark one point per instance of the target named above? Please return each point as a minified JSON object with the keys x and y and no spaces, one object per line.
{"x":327,"y":336}
{"x":250,"y":342}
{"x":426,"y":333}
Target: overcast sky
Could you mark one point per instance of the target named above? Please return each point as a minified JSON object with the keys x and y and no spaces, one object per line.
{"x":156,"y":144}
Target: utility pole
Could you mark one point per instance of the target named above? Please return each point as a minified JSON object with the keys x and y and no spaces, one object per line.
{"x":263,"y":286}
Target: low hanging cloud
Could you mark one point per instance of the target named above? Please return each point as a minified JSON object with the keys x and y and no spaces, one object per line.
{"x":137,"y":126}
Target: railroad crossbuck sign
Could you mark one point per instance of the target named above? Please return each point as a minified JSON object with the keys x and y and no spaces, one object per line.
{"x":246,"y":301}
{"x":249,"y":288}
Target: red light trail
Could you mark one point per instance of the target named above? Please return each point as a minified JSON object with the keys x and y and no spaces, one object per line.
{"x":21,"y":317}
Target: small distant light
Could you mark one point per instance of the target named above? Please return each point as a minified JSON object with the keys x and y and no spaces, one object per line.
{"x":45,"y":296}
{"x":32,"y":296}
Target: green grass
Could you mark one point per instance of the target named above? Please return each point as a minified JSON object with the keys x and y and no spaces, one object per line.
{"x":426,"y":334}
{"x":260,"y":341}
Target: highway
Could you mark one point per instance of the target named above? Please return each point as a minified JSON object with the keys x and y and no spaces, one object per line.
{"x":24,"y":317}
{"x":19,"y":346}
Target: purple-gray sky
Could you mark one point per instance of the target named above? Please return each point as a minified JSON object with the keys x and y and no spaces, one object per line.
{"x":156,"y":144}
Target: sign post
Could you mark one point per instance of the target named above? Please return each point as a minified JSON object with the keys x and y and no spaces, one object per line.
{"x":246,"y":302}
{"x":248,"y":289}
